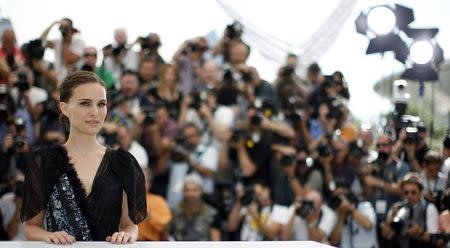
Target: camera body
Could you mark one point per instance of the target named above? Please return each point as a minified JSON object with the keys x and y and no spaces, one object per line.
{"x":306,"y":207}
{"x":22,"y":82}
{"x":179,"y":151}
{"x":197,"y":99}
{"x":402,"y":218}
{"x":234,"y":30}
{"x":149,"y":43}
{"x":18,"y":142}
{"x":249,"y":196}
{"x":34,"y":49}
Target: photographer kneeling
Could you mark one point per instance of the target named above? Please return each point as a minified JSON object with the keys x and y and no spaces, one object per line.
{"x":261,"y":219}
{"x":310,"y":220}
{"x":356,"y":226}
{"x":411,"y":222}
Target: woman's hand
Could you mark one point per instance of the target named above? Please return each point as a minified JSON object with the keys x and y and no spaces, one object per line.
{"x":60,"y":238}
{"x":120,"y":238}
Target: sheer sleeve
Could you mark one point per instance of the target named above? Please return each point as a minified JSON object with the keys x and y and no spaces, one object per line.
{"x":131,"y":177}
{"x":34,"y":196}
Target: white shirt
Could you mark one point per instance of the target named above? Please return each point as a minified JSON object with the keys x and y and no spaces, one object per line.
{"x":250,"y":230}
{"x":326,"y":224}
{"x":76,"y":46}
{"x":37,"y":95}
{"x":430,"y":185}
{"x":360,"y":237}
{"x":445,"y":169}
{"x":206,"y":156}
{"x":139,"y":153}
{"x":8,"y":209}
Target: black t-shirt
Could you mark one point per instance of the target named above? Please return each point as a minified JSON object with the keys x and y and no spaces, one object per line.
{"x":261,"y":155}
{"x":52,"y":186}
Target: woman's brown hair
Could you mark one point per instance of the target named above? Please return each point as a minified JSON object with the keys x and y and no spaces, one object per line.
{"x":72,"y":81}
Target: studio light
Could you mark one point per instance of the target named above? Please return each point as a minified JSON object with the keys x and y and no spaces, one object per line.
{"x":425,"y":55}
{"x":381,"y":20}
{"x":382,"y":25}
{"x":421,"y":52}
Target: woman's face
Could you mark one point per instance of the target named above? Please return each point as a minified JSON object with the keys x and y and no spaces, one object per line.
{"x":86,"y":109}
{"x":170,"y":77}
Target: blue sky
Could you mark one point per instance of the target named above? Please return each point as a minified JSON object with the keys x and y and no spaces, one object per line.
{"x":292,"y":21}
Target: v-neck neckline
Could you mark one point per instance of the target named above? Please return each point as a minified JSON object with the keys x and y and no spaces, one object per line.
{"x":100,"y":167}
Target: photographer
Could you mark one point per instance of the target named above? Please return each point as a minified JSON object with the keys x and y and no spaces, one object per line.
{"x":44,"y":74}
{"x":189,"y":59}
{"x":411,"y":146}
{"x":118,"y":56}
{"x":150,"y":45}
{"x":158,"y":136}
{"x":356,"y":225}
{"x":90,"y":64}
{"x":201,"y":158}
{"x":288,"y":87}
{"x":9,"y":50}
{"x":128,"y":143}
{"x":231,"y":40}
{"x":148,"y":74}
{"x":193,"y":219}
{"x":433,"y":180}
{"x":68,"y":49}
{"x":309,"y":219}
{"x":261,"y":219}
{"x":381,"y":178}
{"x":256,"y":88}
{"x":412,"y":221}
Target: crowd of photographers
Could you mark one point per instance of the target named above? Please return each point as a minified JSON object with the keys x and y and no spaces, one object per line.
{"x":226,"y":154}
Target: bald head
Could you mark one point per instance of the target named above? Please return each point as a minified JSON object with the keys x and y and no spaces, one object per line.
{"x":8,"y":39}
{"x":315,"y":197}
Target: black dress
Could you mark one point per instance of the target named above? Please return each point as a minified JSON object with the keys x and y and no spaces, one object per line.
{"x":53,"y":186}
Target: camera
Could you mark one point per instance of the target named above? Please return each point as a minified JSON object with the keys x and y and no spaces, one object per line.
{"x":335,"y":201}
{"x":247,"y":76}
{"x":22,"y":82}
{"x":116,"y":51}
{"x":287,"y":71}
{"x":412,"y":135}
{"x":149,"y":43}
{"x":305,"y":162}
{"x":18,"y":142}
{"x":324,"y":150}
{"x":3,"y":113}
{"x":287,"y":160}
{"x":256,"y":120}
{"x":306,"y":208}
{"x":19,"y":123}
{"x":248,"y":197}
{"x":33,"y":49}
{"x":237,"y":135}
{"x":197,"y":99}
{"x":150,"y":115}
{"x":402,"y":218}
{"x":179,"y":152}
{"x":234,"y":30}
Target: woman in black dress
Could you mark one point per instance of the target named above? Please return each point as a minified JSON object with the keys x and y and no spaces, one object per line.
{"x":82,"y":190}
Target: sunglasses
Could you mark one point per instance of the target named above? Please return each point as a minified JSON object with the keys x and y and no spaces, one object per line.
{"x":90,"y":55}
{"x":412,"y":192}
{"x":382,"y":145}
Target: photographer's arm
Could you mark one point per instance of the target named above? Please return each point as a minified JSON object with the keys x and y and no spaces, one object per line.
{"x":45,"y":34}
{"x":247,"y":166}
{"x":335,"y":236}
{"x":49,"y":75}
{"x":279,"y":128}
{"x":235,"y":217}
{"x":13,"y":226}
{"x":286,"y":231}
{"x":176,"y":56}
{"x":69,"y":57}
{"x":204,"y":171}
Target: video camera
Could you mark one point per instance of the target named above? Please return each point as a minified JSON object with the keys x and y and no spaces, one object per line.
{"x":306,"y":207}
